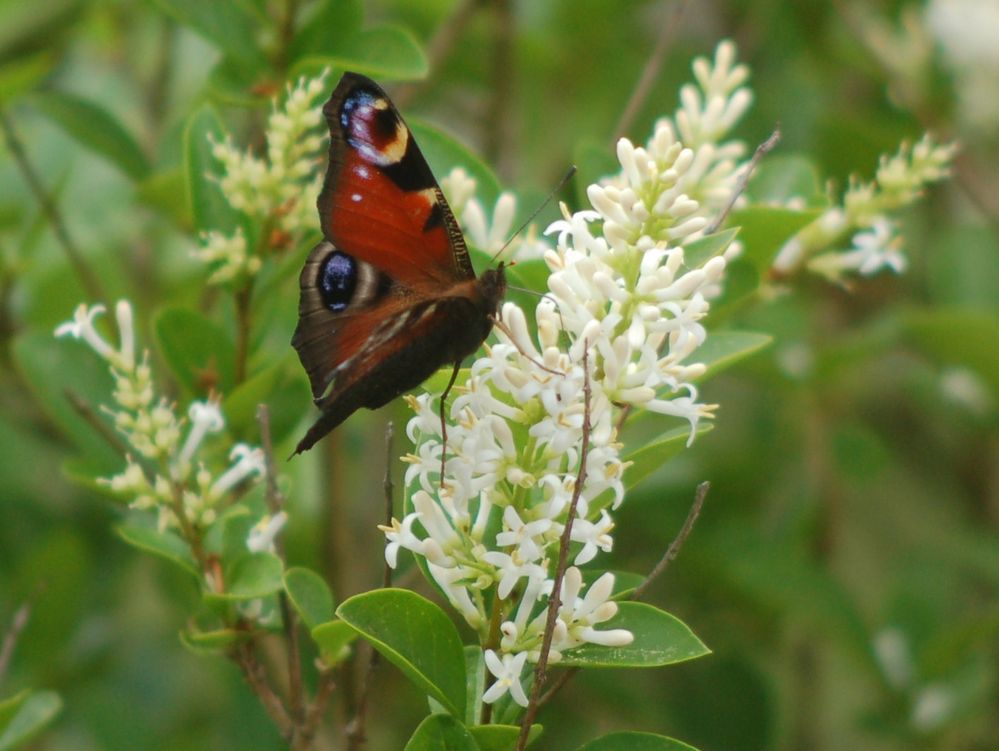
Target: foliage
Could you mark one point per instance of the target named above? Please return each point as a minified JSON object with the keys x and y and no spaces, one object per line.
{"x":844,"y":568}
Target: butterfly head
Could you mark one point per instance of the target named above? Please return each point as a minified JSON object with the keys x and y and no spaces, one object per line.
{"x":492,"y":289}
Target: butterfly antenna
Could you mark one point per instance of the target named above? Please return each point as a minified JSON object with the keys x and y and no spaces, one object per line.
{"x":561,"y":184}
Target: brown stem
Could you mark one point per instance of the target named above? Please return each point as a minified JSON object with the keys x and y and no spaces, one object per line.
{"x":286,"y":33}
{"x":649,"y":73}
{"x":324,"y":690}
{"x":356,"y":735}
{"x":762,"y":150}
{"x":17,"y":624}
{"x":497,"y":120}
{"x":243,"y":316}
{"x":91,"y":284}
{"x":255,"y":676}
{"x":554,"y":601}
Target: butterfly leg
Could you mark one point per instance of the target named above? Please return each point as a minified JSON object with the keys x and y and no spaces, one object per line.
{"x":454,"y":377}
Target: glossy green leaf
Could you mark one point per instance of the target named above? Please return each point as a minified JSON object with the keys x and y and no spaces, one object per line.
{"x":703,"y":249}
{"x":333,"y":639}
{"x":210,"y":209}
{"x":282,"y":386}
{"x":226,"y":25}
{"x":200,"y":354}
{"x":633,"y":741}
{"x":213,"y":642}
{"x":309,"y":595}
{"x":441,"y":732}
{"x":23,"y":74}
{"x":416,"y":636}
{"x":23,"y":716}
{"x":763,"y":230}
{"x":501,"y":737}
{"x":723,"y":349}
{"x":93,"y":127}
{"x":383,"y":52}
{"x":252,"y":576}
{"x":955,"y":336}
{"x":166,"y":544}
{"x":659,"y":639}
{"x":652,"y":456}
{"x":475,"y":683}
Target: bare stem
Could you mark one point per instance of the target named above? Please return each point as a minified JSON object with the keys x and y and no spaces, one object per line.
{"x":91,"y":284}
{"x":243,"y":317}
{"x":554,"y":600}
{"x":255,"y":675}
{"x":761,"y":151}
{"x":17,"y":624}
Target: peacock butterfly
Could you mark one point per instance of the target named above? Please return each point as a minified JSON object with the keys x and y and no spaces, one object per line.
{"x":389,"y":295}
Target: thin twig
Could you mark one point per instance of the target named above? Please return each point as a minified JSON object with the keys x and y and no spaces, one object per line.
{"x":243,"y":313}
{"x":674,"y":547}
{"x":355,"y":728}
{"x":649,"y":73}
{"x":668,"y":557}
{"x":17,"y":624}
{"x":324,"y":690}
{"x":289,"y":618}
{"x":498,"y":109}
{"x":254,"y":674}
{"x":762,"y":150}
{"x":554,"y":600}
{"x":91,"y":284}
{"x":84,"y":409}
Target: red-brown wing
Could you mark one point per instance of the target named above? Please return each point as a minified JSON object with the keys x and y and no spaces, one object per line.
{"x":380,"y":202}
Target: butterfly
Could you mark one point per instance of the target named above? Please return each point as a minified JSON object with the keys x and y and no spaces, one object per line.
{"x":389,"y":296}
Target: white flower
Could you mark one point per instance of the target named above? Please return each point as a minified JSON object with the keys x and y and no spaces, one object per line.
{"x":261,"y":537}
{"x":206,"y":417}
{"x":248,"y":461}
{"x":507,"y":674}
{"x":594,"y":536}
{"x":82,"y":327}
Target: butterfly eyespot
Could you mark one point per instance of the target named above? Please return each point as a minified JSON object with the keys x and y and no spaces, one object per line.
{"x":337,"y":280}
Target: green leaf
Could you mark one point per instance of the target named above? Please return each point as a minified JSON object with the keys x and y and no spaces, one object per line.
{"x":333,"y":639}
{"x":213,"y":642}
{"x":763,"y":230}
{"x":23,"y":74}
{"x":253,"y":575}
{"x":382,"y":52}
{"x":441,"y":732}
{"x":723,"y":349}
{"x":416,"y":636}
{"x":226,"y":25}
{"x":209,"y":207}
{"x":282,"y":387}
{"x":165,"y":192}
{"x":200,"y":354}
{"x":475,"y":683}
{"x":332,"y":22}
{"x":660,"y":639}
{"x":501,"y":737}
{"x":632,"y":741}
{"x":95,"y":128}
{"x":309,"y":595}
{"x":444,"y":152}
{"x":166,"y":545}
{"x":652,"y":456}
{"x":957,"y":336}
{"x":23,"y":716}
{"x":782,"y":177}
{"x":703,"y":249}
{"x":40,"y":358}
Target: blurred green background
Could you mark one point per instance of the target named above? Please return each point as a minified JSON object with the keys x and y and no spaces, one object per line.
{"x":846,"y":567}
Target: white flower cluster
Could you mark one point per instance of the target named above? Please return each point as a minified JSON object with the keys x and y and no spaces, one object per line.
{"x":622,"y":299}
{"x":169,"y":478}
{"x":278,"y":191}
{"x":863,"y":217}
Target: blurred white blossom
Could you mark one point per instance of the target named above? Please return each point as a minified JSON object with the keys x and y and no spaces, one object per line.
{"x":166,"y":470}
{"x":277,"y":190}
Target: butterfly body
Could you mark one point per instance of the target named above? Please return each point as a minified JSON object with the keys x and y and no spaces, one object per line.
{"x":389,"y":296}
